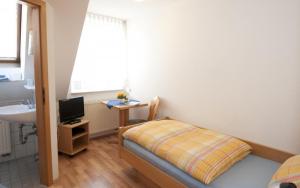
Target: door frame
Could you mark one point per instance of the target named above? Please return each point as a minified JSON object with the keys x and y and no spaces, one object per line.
{"x":42,"y":98}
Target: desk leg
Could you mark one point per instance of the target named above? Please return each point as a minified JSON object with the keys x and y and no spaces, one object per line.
{"x":123,"y":117}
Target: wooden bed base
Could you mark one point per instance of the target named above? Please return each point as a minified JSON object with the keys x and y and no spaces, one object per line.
{"x":154,"y":177}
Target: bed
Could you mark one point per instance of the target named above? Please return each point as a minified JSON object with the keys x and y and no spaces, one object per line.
{"x":253,"y":171}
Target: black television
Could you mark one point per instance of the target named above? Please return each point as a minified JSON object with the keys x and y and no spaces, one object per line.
{"x":71,"y":110}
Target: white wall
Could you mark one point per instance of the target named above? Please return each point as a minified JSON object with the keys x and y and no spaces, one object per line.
{"x":13,"y":91}
{"x":231,"y":66}
{"x":68,"y":19}
{"x":19,"y":150}
{"x":52,"y":93}
{"x":64,"y":25}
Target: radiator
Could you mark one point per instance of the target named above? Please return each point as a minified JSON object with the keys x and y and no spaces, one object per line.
{"x":5,"y":139}
{"x":101,"y":118}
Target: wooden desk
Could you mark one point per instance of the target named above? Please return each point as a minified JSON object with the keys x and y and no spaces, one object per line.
{"x":124,"y":111}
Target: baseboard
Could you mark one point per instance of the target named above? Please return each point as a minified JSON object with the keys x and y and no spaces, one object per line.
{"x":269,"y":153}
{"x":103,"y":133}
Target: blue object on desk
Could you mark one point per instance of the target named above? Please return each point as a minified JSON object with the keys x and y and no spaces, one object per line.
{"x":117,"y":102}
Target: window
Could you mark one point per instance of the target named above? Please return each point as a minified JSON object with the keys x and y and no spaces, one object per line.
{"x":101,"y":61}
{"x":10,"y":20}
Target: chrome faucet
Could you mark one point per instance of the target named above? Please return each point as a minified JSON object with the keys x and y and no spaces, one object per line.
{"x":30,"y":103}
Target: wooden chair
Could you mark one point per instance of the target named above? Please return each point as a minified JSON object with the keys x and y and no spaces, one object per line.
{"x":153,"y":109}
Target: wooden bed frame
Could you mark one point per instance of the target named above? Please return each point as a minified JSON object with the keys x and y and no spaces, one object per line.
{"x":154,"y":177}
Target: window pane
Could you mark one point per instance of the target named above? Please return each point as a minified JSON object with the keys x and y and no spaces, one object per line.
{"x":8,"y":31}
{"x":101,"y":62}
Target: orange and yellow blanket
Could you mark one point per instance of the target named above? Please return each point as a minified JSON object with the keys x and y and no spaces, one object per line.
{"x":202,"y":153}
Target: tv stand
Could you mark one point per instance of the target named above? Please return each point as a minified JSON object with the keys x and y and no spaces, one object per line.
{"x":73,"y":138}
{"x":74,"y":121}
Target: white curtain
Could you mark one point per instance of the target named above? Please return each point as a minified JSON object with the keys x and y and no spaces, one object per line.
{"x":33,"y":41}
{"x":101,"y":61}
{"x":30,"y":43}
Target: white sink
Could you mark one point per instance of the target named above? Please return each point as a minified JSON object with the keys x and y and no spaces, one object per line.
{"x":17,"y":113}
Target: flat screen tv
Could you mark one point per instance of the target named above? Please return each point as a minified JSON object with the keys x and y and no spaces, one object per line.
{"x":70,"y":110}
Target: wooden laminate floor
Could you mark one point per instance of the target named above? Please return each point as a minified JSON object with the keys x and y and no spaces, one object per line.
{"x":98,"y":167}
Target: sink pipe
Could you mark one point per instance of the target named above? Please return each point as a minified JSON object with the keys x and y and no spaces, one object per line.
{"x":23,"y":139}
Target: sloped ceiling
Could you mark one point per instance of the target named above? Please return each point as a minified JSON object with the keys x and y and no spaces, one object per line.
{"x":68,"y":21}
{"x":125,"y":9}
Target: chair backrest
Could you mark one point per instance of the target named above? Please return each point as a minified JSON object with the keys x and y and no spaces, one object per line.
{"x":153,"y":108}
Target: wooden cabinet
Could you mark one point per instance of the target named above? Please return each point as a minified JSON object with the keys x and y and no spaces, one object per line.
{"x":73,"y":138}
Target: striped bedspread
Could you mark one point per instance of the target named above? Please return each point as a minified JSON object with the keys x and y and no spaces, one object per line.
{"x":202,"y":153}
{"x":289,"y":172}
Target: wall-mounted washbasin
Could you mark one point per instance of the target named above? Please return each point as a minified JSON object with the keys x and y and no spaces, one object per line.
{"x":17,"y":113}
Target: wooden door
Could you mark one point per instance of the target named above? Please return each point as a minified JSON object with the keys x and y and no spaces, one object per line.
{"x":42,"y":94}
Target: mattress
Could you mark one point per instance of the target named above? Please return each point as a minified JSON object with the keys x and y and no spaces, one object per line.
{"x":253,"y":171}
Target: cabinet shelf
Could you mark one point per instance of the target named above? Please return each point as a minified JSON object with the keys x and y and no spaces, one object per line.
{"x":76,"y":136}
{"x":79,"y":148}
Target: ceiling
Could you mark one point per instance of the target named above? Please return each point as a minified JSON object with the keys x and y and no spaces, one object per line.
{"x":125,"y":9}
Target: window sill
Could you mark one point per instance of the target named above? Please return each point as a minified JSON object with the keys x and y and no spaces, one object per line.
{"x":9,"y":64}
{"x":93,"y":92}
{"x":96,"y":96}
{"x":10,"y":60}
